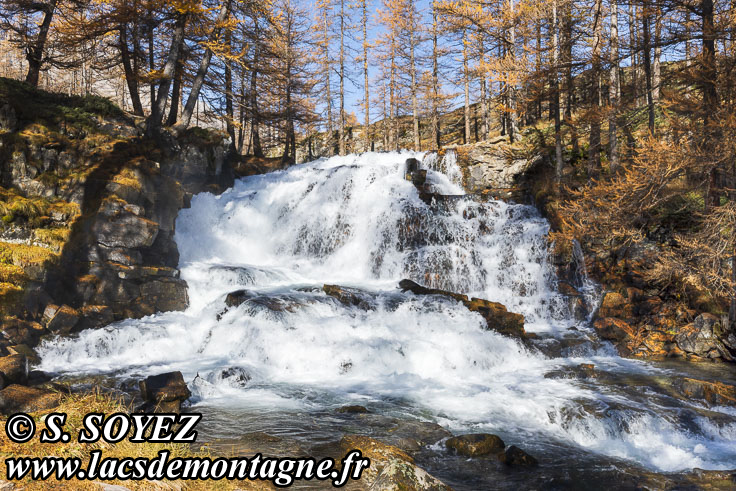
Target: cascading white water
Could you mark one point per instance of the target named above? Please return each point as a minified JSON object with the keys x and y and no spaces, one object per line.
{"x":355,"y":221}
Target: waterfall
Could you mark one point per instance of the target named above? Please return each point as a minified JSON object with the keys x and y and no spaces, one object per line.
{"x":355,"y":221}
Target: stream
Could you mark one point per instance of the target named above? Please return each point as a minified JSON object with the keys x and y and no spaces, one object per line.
{"x":270,"y":373}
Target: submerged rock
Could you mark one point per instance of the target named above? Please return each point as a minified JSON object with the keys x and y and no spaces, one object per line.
{"x":476,"y":445}
{"x":390,"y":468}
{"x":352,"y":297}
{"x":352,"y":410}
{"x":497,"y":317}
{"x":164,"y":392}
{"x":582,"y":371}
{"x":516,"y":457}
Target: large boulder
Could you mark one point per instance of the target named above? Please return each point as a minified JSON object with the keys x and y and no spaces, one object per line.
{"x":493,"y":165}
{"x":60,"y":320}
{"x":164,"y":392}
{"x":13,"y":370}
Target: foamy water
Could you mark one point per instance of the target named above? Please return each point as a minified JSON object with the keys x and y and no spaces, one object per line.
{"x":355,"y":221}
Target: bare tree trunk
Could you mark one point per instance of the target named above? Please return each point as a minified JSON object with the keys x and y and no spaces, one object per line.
{"x":366,"y":85}
{"x":594,"y":150}
{"x":342,"y":77}
{"x":614,"y":91}
{"x":176,"y":91}
{"x":559,"y":163}
{"x":648,"y":63}
{"x":394,"y":137}
{"x":34,"y":54}
{"x":435,"y":123}
{"x":153,"y":124}
{"x":151,"y":60}
{"x":484,"y":90}
{"x":412,"y":68}
{"x":229,"y":112}
{"x":569,"y":82}
{"x":511,"y":87}
{"x":634,"y":48}
{"x":327,"y":68}
{"x":466,"y":82}
{"x":255,"y":114}
{"x":204,"y":65}
{"x":131,"y":77}
{"x":656,"y":65}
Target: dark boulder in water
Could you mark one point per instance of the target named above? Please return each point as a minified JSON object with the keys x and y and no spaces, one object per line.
{"x":233,"y":299}
{"x":516,"y":457}
{"x":497,"y":317}
{"x":352,"y":410}
{"x":164,"y":392}
{"x":476,"y":445}
{"x":352,"y":297}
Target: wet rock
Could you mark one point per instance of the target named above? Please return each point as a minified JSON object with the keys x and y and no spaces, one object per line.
{"x":613,"y":329}
{"x":275,"y":303}
{"x":417,"y":289}
{"x":352,"y":410}
{"x":349,"y":296}
{"x":411,"y":436}
{"x":497,"y":317}
{"x":235,"y":376}
{"x":476,"y":445}
{"x":164,"y":392}
{"x":13,"y":370}
{"x":516,"y":457}
{"x":61,"y":320}
{"x":712,"y":393}
{"x":398,"y":475}
{"x":390,"y":467}
{"x":18,"y":398}
{"x":233,"y":299}
{"x":582,"y":371}
{"x":164,"y":295}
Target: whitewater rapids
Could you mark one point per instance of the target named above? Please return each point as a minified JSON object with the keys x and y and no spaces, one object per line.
{"x":355,"y":221}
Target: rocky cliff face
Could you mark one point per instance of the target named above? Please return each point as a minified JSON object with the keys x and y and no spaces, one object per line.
{"x":88,"y":211}
{"x":122,"y":252}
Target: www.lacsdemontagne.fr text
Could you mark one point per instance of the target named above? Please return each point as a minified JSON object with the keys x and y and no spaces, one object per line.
{"x":281,"y":472}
